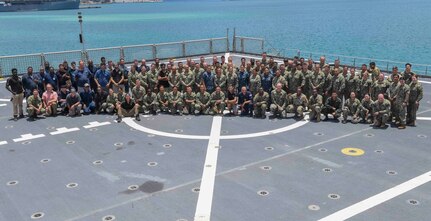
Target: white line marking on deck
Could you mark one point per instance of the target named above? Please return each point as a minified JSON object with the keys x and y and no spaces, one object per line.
{"x":63,"y":130}
{"x":3,"y":143}
{"x":292,"y":152}
{"x":25,"y":137}
{"x":92,"y":212}
{"x":136,"y":126}
{"x":425,"y":82}
{"x":379,"y":198}
{"x":423,"y":118}
{"x":203,"y":207}
{"x":96,"y":124}
{"x":325,"y":162}
{"x":3,"y":105}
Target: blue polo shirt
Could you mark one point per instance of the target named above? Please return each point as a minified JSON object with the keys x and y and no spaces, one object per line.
{"x":103,"y":76}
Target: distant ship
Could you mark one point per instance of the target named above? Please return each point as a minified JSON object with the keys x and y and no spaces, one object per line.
{"x":37,"y":5}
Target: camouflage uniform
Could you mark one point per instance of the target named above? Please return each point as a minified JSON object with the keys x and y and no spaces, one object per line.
{"x":163,"y":98}
{"x":255,"y":83}
{"x":352,"y":108}
{"x":307,"y":85}
{"x":221,"y":81}
{"x":152,"y":79}
{"x":401,"y":102}
{"x":383,"y":109}
{"x":352,"y":85}
{"x":187,"y":79}
{"x":197,"y":73}
{"x":366,"y":110}
{"x":232,"y":79}
{"x":260,"y":104}
{"x":327,"y":85}
{"x":317,"y":80}
{"x":297,"y":104}
{"x":218,"y":108}
{"x":374,"y":73}
{"x":202,"y":104}
{"x":174,"y":80}
{"x":150,"y":103}
{"x":36,"y":102}
{"x":138,"y":95}
{"x":278,"y":79}
{"x":338,"y":84}
{"x":279,"y":103}
{"x":176,"y":102}
{"x":315,"y":106}
{"x":416,"y":94}
{"x":380,"y":87}
{"x":296,"y":79}
{"x":133,"y":76}
{"x":189,"y":107}
{"x":392,"y":92}
{"x":365,"y":87}
{"x":110,"y":103}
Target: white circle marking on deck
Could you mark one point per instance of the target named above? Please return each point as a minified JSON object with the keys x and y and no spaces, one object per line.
{"x":139,"y":127}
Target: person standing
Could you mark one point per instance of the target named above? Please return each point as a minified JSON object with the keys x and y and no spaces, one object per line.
{"x":401,"y":102}
{"x":416,"y":95}
{"x":102,"y":77}
{"x":117,"y":79}
{"x":30,"y":81}
{"x":15,"y":86}
{"x":81,"y":76}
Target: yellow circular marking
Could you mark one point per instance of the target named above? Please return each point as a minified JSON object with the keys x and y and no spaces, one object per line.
{"x":352,"y":151}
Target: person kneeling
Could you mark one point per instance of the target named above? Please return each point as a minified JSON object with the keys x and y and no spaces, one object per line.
{"x":332,"y":106}
{"x":34,"y":105}
{"x":128,"y":109}
{"x":73,"y":102}
{"x":352,"y":108}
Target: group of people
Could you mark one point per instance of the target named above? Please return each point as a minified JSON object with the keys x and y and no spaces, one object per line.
{"x":251,"y":88}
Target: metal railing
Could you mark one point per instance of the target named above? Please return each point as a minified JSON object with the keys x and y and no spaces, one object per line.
{"x":257,"y":46}
{"x":248,"y":45}
{"x":128,"y":53}
{"x":240,"y":44}
{"x":385,"y":65}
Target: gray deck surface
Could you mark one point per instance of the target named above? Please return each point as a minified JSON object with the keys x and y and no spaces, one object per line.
{"x":295,"y":181}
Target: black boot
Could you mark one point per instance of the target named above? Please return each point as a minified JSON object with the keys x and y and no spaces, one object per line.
{"x":118,"y":119}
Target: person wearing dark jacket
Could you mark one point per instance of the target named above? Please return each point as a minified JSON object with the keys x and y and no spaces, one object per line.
{"x":128,"y":108}
{"x":99,"y":98}
{"x":332,"y":106}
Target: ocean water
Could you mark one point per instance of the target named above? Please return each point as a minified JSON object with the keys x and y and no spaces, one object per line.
{"x":398,"y":30}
